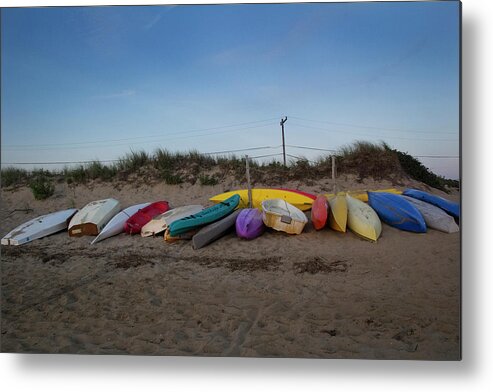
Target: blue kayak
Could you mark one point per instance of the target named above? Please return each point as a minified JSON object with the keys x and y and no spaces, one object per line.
{"x":448,"y":206}
{"x":204,"y":217}
{"x":397,"y":211}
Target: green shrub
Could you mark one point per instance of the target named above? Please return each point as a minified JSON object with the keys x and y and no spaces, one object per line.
{"x":41,"y":187}
{"x":171,"y":179}
{"x":96,"y":170}
{"x":416,"y":170}
{"x":208,"y":180}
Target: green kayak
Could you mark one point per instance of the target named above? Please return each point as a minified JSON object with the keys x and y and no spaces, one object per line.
{"x":204,"y":217}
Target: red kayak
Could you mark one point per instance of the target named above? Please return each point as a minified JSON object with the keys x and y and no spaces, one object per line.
{"x":134,"y":224}
{"x":313,"y":197}
{"x":320,"y":209}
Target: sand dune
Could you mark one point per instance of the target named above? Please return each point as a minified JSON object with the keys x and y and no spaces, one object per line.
{"x":320,"y":294}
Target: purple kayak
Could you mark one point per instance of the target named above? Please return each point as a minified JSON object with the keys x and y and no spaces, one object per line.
{"x":249,"y":224}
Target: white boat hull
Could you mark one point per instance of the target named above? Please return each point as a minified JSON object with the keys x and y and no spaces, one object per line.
{"x":161,"y":222}
{"x":117,"y":224}
{"x":93,"y":217}
{"x":39,"y":227}
{"x":282,"y":216}
{"x":435,"y":217}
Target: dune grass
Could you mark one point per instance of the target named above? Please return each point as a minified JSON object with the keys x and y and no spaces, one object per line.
{"x":368,"y":160}
{"x":132,"y":161}
{"x":13,"y":176}
{"x":364,"y":159}
{"x":416,"y":170}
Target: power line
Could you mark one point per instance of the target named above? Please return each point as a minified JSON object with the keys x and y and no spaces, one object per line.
{"x":436,"y":156}
{"x":415,"y":156}
{"x":300,"y":158}
{"x":310,"y":148}
{"x":362,"y":134}
{"x":59,"y":162}
{"x":147,"y":142}
{"x":221,"y":152}
{"x":144,"y":137}
{"x":116,"y":160}
{"x":265,"y":156}
{"x":371,"y":127}
{"x":243,"y":149}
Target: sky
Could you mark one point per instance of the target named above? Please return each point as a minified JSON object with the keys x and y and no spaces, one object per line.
{"x":85,"y":83}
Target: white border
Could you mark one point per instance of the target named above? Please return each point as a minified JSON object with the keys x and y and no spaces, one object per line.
{"x":85,"y":373}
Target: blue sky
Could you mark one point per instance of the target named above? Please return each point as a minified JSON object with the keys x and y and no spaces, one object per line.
{"x":83,"y":83}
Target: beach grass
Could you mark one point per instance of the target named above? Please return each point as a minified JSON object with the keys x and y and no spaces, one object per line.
{"x":364,"y":159}
{"x":368,"y":160}
{"x":13,"y":176}
{"x":416,"y":170}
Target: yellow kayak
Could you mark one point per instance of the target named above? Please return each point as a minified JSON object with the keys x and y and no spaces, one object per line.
{"x":363,"y":195}
{"x":298,"y":200}
{"x":338,"y":213}
{"x":362,"y":219}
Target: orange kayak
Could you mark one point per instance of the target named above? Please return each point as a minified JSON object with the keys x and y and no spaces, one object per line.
{"x":320,"y":208}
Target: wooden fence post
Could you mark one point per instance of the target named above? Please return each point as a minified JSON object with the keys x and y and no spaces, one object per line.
{"x":248,"y":182}
{"x":334,"y":174}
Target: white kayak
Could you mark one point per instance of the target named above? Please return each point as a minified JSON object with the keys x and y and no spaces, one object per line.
{"x":362,"y":219}
{"x":39,"y":227}
{"x":93,"y":217}
{"x":282,"y":216}
{"x":161,"y":222}
{"x":117,"y":224}
{"x":434,"y":217}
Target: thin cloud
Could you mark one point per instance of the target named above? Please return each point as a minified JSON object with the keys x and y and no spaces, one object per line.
{"x":295,"y":38}
{"x":158,"y":17}
{"x":120,"y":94}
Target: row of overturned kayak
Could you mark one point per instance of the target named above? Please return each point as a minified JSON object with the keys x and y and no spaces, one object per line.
{"x":249,"y":214}
{"x":413,"y":211}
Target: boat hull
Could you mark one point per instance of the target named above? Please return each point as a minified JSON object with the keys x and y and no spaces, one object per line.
{"x":117,"y":224}
{"x":188,"y":235}
{"x":362,"y":219}
{"x":319,"y":212}
{"x":309,"y":195}
{"x":363,"y":195}
{"x":435,"y":218}
{"x":161,"y":222}
{"x":448,"y":206}
{"x":91,"y":219}
{"x":39,"y":227}
{"x":204,"y":217}
{"x":297,"y":199}
{"x":214,"y":231}
{"x":338,"y":213}
{"x":281,"y":216}
{"x":249,"y":224}
{"x":397,"y":212}
{"x":135,"y":223}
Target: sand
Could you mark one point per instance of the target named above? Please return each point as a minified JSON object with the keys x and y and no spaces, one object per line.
{"x":321,"y":294}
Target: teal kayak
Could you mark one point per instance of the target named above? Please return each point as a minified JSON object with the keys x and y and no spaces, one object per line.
{"x":204,"y":217}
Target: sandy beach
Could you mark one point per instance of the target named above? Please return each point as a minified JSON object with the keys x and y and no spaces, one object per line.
{"x":321,"y":294}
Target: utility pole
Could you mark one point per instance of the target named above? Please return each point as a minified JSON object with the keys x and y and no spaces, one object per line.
{"x":283,"y":144}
